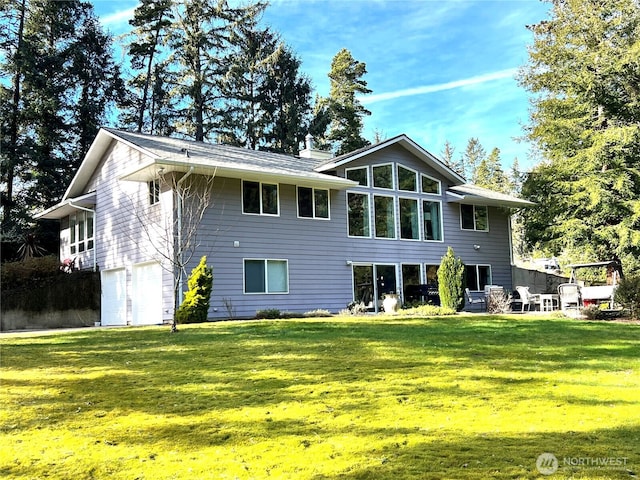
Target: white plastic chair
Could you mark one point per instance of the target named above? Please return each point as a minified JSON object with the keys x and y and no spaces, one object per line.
{"x":526,"y":298}
{"x":569,"y":294}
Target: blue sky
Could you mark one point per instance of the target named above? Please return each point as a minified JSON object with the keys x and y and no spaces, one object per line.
{"x":439,"y":70}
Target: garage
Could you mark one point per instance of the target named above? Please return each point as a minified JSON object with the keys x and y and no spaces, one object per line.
{"x":113,"y":305}
{"x":147,"y":294}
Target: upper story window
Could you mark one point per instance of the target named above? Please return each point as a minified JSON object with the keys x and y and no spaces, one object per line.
{"x":383,"y":176}
{"x":154,"y":191}
{"x":81,"y":232}
{"x":313,"y":202}
{"x":407,"y":179}
{"x":430,"y":185}
{"x":259,"y":198}
{"x":359,"y":174}
{"x":474,"y":217}
{"x":432,"y":220}
{"x":358,"y":214}
{"x":409,"y":219}
{"x":384,"y":216}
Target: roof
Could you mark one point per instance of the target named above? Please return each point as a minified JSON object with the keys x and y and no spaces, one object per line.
{"x":472,"y":194}
{"x":404,"y":142}
{"x":69,"y":206}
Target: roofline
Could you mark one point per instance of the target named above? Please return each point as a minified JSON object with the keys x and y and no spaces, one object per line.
{"x":66,"y":207}
{"x":404,"y":141}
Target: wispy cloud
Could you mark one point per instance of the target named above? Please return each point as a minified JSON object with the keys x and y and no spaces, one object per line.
{"x":425,"y":89}
{"x":118,"y":18}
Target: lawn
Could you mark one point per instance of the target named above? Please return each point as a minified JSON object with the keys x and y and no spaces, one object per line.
{"x":342,"y":398}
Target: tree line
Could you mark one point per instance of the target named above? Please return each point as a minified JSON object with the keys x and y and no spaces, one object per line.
{"x":198,"y":69}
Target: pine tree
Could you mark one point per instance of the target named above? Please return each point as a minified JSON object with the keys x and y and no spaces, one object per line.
{"x":473,"y":155}
{"x":489,"y":173}
{"x":346,"y":111}
{"x":447,"y":155}
{"x":585,"y":120}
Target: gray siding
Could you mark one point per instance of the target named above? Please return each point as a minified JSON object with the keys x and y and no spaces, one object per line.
{"x":318,"y":251}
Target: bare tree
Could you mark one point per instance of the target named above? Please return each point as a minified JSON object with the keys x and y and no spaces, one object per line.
{"x":170,"y":233}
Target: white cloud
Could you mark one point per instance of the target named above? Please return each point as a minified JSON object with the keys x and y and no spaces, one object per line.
{"x":409,"y":92}
{"x":117,"y":18}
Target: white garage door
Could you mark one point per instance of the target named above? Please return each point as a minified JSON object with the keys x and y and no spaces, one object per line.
{"x":113,"y":302}
{"x":147,"y":294}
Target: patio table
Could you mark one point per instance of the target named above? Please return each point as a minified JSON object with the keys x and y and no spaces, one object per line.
{"x":548,"y":301}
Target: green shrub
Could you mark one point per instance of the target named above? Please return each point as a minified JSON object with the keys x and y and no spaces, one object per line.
{"x":268,"y":313}
{"x":25,"y":272}
{"x":451,"y":281}
{"x":195,"y":306}
{"x":427,"y":311}
{"x":628,"y":294}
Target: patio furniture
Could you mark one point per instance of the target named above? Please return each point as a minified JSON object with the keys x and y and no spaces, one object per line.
{"x":474,"y":301}
{"x":569,"y":294}
{"x":548,"y":302}
{"x":527,"y":299}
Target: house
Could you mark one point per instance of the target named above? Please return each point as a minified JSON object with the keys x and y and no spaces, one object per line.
{"x":283,"y":232}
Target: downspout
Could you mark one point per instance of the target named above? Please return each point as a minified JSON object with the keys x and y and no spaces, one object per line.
{"x":179,"y":235}
{"x":95,"y":244}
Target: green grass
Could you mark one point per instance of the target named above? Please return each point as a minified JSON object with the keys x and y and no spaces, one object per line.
{"x":375,"y":397}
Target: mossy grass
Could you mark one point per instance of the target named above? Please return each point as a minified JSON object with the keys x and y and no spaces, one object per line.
{"x":375,"y":397}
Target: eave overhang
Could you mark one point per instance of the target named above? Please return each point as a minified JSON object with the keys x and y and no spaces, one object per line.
{"x":68,"y":207}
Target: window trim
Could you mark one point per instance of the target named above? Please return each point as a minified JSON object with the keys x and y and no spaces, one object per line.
{"x":438,"y":182}
{"x":441,"y":220}
{"x":395,"y":217}
{"x":154,"y":191}
{"x":419,"y":219}
{"x":366,"y":168}
{"x":475,"y":223}
{"x":88,"y":237}
{"x":266,"y":275}
{"x":415,"y":177}
{"x":368,"y":213}
{"x":260,"y":185}
{"x":313,"y":203}
{"x":393,"y":177}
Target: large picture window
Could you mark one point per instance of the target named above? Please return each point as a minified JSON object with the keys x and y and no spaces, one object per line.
{"x":81,"y":232}
{"x":474,"y":217}
{"x":358,"y":212}
{"x":359,"y":174}
{"x":407,"y":179}
{"x":409,"y":219}
{"x":385,"y":219}
{"x":383,"y":176}
{"x":432,"y":220}
{"x":313,"y":203}
{"x":478,"y":276}
{"x":259,"y":198}
{"x":266,"y":276}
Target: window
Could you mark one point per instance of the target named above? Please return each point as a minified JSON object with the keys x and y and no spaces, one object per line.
{"x":432,"y":220}
{"x":474,"y":217}
{"x":383,"y":176}
{"x":154,"y":191}
{"x":358,"y":213}
{"x":409,"y":219}
{"x":407,"y":179}
{"x":385,"y":218}
{"x":360,"y":175}
{"x":478,"y":276}
{"x":266,"y":276}
{"x":81,"y":232}
{"x":259,"y":198}
{"x":313,"y":203}
{"x":430,"y":185}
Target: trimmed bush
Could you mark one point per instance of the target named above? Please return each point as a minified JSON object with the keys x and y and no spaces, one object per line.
{"x":195,"y":306}
{"x":451,"y":281}
{"x":628,"y":294}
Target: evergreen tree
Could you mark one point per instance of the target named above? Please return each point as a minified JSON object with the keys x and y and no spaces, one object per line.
{"x":151,"y":20}
{"x":346,"y":111}
{"x":451,"y":281}
{"x":447,"y":156}
{"x":195,"y":306}
{"x":489,"y":173}
{"x":473,"y":155}
{"x":583,"y":72}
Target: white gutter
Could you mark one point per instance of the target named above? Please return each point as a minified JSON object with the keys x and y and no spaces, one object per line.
{"x":95,"y":244}
{"x":179,"y":213}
